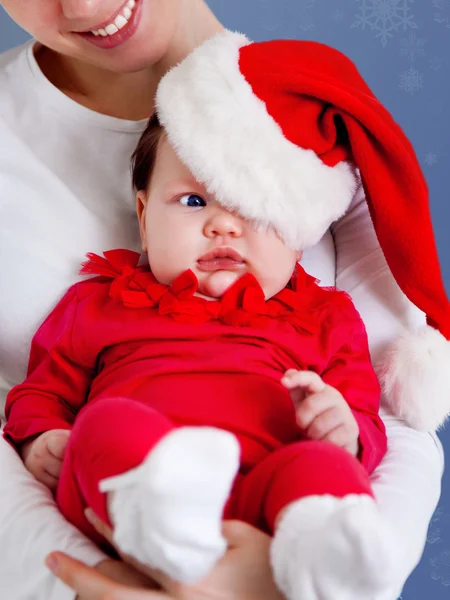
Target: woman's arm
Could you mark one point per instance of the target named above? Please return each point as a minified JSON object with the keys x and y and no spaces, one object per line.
{"x":31,"y":527}
{"x":57,"y":381}
{"x":414,"y":462}
{"x":407,"y":486}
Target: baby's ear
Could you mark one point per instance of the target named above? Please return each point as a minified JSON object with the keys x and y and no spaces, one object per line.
{"x":141,"y":210}
{"x":299,"y":255}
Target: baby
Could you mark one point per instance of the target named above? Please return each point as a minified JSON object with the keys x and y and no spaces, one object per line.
{"x":220,"y":380}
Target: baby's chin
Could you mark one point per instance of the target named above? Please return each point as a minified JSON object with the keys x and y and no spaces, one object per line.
{"x":215,"y":284}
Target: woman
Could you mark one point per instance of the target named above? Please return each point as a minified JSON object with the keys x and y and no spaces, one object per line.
{"x":71,"y":110}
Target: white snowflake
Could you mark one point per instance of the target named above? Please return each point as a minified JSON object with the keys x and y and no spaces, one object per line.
{"x":411,"y":81}
{"x":385,"y":17}
{"x":412,"y":47}
{"x":434,"y":533}
{"x":436,"y":63}
{"x":440,"y":566}
{"x":442,"y":12}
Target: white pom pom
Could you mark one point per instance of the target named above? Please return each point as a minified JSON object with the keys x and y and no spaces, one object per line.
{"x":415,"y":378}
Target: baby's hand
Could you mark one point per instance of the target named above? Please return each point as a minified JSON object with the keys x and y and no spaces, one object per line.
{"x":43,"y":456}
{"x":322,"y":412}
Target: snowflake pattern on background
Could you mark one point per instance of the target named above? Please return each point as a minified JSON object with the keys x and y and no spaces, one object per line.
{"x":434,"y":531}
{"x":385,"y":17}
{"x":442,"y":12}
{"x":440,"y":566}
{"x":412,"y":47}
{"x":411,"y":81}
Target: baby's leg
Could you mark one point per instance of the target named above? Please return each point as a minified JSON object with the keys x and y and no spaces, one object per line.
{"x":165,"y":487}
{"x":329,"y":538}
{"x":110,"y":437}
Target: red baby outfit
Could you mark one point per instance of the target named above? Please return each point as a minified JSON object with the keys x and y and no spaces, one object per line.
{"x":143,"y":358}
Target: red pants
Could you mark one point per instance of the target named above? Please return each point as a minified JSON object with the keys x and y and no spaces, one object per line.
{"x":112,"y":436}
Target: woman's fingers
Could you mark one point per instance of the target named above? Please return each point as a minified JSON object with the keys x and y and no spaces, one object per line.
{"x":237,"y":533}
{"x":100,"y":526}
{"x":105,"y":530}
{"x":90,"y":584}
{"x":125,"y":593}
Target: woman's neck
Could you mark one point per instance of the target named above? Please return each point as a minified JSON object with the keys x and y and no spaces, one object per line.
{"x":128,"y":95}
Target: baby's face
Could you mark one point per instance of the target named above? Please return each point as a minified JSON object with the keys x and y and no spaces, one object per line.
{"x":183,"y":227}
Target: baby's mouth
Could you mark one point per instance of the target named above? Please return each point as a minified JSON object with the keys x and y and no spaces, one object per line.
{"x":224,"y":258}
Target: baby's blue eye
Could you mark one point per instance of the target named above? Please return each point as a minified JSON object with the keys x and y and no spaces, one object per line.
{"x":192,"y":200}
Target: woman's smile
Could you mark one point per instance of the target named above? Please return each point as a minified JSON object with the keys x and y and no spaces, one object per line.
{"x":118,"y":29}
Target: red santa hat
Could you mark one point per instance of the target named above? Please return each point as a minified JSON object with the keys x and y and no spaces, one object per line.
{"x":281,"y":132}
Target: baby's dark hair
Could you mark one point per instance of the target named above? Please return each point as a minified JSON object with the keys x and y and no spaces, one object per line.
{"x":144,"y":157}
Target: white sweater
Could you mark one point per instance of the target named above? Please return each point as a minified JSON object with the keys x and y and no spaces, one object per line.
{"x":65,"y":190}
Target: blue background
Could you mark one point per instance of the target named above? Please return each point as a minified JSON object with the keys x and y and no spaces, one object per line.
{"x":402,"y":48}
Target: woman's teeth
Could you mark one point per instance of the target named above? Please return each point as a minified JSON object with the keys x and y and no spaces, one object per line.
{"x":119,"y":22}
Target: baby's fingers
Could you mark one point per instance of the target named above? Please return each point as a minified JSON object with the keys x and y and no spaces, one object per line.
{"x":344,"y":437}
{"x":52,"y":465}
{"x":57,"y":442}
{"x":324,"y":424}
{"x":308,"y":381}
{"x":48,"y":480}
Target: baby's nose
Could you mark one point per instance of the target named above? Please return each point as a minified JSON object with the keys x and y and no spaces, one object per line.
{"x":224,"y":223}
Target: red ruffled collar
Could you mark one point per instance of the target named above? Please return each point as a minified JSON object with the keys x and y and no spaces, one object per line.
{"x":243,"y":304}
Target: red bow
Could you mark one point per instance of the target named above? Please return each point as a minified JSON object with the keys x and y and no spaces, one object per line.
{"x":119,"y":264}
{"x":242,"y":305}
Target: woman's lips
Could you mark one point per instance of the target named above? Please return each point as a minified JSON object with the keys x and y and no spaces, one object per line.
{"x":123,"y":35}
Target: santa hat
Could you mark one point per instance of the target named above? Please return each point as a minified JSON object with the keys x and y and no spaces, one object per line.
{"x":280,"y":132}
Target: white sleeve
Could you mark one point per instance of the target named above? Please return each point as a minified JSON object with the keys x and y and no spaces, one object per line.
{"x":414,"y":463}
{"x":407,"y":486}
{"x":31,"y":527}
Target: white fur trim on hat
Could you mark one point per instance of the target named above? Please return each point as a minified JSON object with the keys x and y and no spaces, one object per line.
{"x":223,"y":133}
{"x":415,"y":378}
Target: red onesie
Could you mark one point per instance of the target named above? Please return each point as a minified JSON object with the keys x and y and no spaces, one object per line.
{"x":139,"y":358}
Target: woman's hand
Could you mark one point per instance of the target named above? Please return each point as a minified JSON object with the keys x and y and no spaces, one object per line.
{"x":244,"y":573}
{"x":110,"y":579}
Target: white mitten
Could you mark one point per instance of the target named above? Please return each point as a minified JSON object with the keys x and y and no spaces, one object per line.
{"x":328,"y":548}
{"x":167,"y":513}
